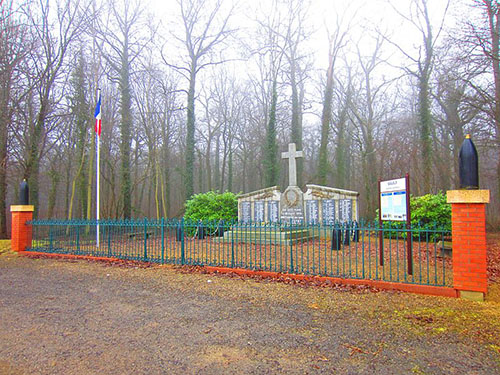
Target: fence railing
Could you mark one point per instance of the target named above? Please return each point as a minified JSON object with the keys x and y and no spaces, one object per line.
{"x":352,"y":250}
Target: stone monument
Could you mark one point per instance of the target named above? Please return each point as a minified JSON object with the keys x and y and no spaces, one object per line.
{"x":321,"y":205}
{"x":292,"y":199}
{"x":269,"y":216}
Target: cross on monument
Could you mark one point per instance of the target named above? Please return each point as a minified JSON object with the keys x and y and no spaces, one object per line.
{"x":291,"y":155}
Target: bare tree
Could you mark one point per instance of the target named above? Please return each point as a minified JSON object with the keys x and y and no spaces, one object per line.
{"x":54,"y":41}
{"x":205,"y":29}
{"x":123,"y":39}
{"x":294,"y":38}
{"x":483,"y":37}
{"x":367,"y":109}
{"x":14,"y":47}
{"x":336,"y":41}
{"x":421,"y":70}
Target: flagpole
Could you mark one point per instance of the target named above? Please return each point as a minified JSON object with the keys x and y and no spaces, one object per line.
{"x":98,"y":133}
{"x":97,"y":188}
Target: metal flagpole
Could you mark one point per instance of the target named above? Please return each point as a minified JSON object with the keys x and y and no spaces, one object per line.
{"x":97,"y":178}
{"x":97,"y":168}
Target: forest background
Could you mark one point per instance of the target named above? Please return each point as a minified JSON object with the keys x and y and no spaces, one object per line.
{"x":202,"y":95}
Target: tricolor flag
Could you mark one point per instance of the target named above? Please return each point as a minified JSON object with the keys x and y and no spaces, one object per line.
{"x":97,"y":114}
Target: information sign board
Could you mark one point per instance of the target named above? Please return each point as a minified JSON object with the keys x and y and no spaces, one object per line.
{"x":393,"y":205}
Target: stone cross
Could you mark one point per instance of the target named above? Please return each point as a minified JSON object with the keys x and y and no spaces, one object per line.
{"x":291,"y":155}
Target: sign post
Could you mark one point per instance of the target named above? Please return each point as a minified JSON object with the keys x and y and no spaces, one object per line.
{"x":409,"y":250}
{"x":394,"y":205}
{"x":381,"y":233}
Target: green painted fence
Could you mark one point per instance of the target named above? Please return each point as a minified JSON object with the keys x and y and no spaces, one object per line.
{"x":349,"y":250}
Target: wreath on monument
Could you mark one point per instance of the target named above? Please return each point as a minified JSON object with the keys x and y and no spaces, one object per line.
{"x":289,"y":200}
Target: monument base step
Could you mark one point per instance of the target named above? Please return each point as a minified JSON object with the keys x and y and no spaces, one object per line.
{"x":267,"y":237}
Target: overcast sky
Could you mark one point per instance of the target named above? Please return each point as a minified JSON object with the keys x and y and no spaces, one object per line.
{"x":361,"y":17}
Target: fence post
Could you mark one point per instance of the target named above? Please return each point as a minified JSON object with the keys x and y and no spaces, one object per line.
{"x":51,"y":238}
{"x":109,"y":239}
{"x":291,"y":248}
{"x":78,"y":239}
{"x":182,"y":241}
{"x":145,"y":239}
{"x":468,"y":229}
{"x":232,"y":245}
{"x":162,"y":228}
{"x":21,"y":233}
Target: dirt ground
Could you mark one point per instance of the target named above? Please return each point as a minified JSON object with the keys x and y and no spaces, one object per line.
{"x":80,"y":317}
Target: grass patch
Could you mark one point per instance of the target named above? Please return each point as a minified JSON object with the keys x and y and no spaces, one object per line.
{"x":479,"y":321}
{"x":4,"y":246}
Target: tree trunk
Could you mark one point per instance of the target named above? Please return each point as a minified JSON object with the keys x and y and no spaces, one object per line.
{"x":90,"y":177}
{"x":296,"y":134}
{"x":32,"y":171}
{"x":326,"y":118}
{"x":230,"y":171}
{"x":52,"y":199}
{"x":208,"y":168}
{"x":493,"y":19}
{"x":424,"y":108}
{"x":126,"y":128}
{"x":217,"y":183}
{"x":4,"y":126}
{"x":271,"y":148}
{"x":341,"y":155}
{"x":190,"y":142}
{"x":425,"y":118}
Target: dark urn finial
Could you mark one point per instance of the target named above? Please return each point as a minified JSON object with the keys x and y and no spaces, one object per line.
{"x":24,"y":193}
{"x":468,"y":168}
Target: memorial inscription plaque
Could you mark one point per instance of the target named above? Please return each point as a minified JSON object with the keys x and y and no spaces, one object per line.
{"x":328,"y":206}
{"x":273,"y":212}
{"x":246,"y":212}
{"x":312,"y":211}
{"x":259,"y":215}
{"x":345,"y":210}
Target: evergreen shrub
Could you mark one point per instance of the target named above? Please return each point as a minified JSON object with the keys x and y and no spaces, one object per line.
{"x":212,"y":206}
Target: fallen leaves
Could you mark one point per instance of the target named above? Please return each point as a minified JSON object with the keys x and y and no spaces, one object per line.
{"x":356,"y":349}
{"x":493,"y":255}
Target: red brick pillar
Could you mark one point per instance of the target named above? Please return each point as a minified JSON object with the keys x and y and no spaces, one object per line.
{"x":468,"y":222}
{"x":20,"y":238}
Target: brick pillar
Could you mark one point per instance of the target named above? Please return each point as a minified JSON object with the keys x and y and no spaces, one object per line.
{"x":20,"y":238}
{"x":468,"y":222}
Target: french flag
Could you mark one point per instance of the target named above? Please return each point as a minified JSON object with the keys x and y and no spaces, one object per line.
{"x":97,"y":114}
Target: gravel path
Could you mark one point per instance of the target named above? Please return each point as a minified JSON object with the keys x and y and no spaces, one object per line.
{"x":76,"y":317}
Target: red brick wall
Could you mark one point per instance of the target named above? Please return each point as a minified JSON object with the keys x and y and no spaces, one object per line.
{"x":469,"y":246}
{"x":21,"y":233}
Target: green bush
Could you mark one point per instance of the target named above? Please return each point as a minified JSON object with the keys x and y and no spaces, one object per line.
{"x":212,"y":206}
{"x":429,"y":210}
{"x":428,"y":213}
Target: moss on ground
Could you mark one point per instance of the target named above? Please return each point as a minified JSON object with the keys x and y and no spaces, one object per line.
{"x":4,"y":246}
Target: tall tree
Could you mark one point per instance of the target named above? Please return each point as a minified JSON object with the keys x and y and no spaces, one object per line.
{"x":14,"y":46}
{"x":336,"y":41}
{"x":343,"y":139}
{"x":421,"y":70}
{"x":484,"y":38}
{"x":55,"y":41}
{"x":206,"y":28}
{"x":295,"y":36}
{"x":366,"y":118}
{"x":271,"y":171}
{"x":123,"y":35}
{"x":81,"y":118}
